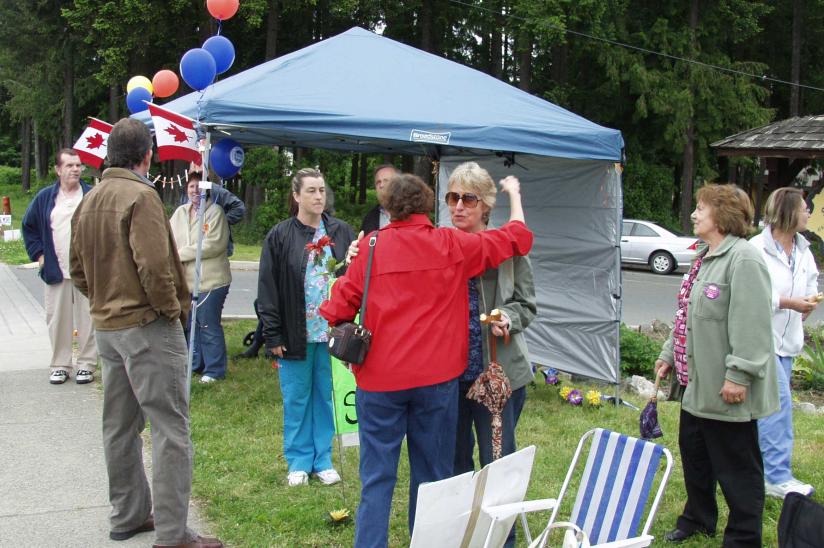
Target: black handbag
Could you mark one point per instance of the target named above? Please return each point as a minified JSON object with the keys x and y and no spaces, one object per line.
{"x":349,"y":341}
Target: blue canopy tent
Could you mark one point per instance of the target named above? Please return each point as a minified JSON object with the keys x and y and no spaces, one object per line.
{"x":359,"y":91}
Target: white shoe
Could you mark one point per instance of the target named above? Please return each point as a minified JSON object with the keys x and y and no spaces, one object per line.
{"x":792,"y":485}
{"x":58,"y":377}
{"x":297,"y":478}
{"x":328,"y":477}
{"x":206,"y":379}
{"x":83,"y":376}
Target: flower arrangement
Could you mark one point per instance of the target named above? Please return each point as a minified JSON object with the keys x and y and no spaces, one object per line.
{"x":593,"y":398}
{"x":573,"y":396}
{"x":551,"y":377}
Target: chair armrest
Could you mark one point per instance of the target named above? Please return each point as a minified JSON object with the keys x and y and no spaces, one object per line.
{"x":635,"y":542}
{"x":504,"y":511}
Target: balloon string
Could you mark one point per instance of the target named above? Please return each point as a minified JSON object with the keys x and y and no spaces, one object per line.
{"x":219,"y":26}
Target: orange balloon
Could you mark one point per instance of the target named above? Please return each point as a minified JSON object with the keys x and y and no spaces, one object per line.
{"x":222,"y":9}
{"x":165,"y":83}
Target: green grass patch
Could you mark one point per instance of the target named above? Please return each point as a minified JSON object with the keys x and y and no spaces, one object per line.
{"x":14,"y":252}
{"x":246,"y":252}
{"x":240,"y":471}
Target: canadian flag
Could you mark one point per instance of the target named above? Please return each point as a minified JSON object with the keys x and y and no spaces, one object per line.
{"x":175,"y":134}
{"x":91,"y":147}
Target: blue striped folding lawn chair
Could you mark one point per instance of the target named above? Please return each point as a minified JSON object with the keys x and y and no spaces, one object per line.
{"x":613,"y":493}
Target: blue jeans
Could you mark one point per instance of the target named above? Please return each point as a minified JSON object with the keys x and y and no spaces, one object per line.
{"x":426,"y":416}
{"x":308,"y":425}
{"x":775,"y":433}
{"x":471,"y":412}
{"x":209,"y":355}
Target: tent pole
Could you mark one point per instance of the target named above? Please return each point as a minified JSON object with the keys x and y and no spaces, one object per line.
{"x":619,"y":212}
{"x":204,"y":184}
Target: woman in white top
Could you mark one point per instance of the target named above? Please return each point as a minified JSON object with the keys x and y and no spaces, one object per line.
{"x":794,"y":278}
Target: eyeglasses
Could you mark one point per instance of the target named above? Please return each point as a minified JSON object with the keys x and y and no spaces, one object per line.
{"x":469,"y":200}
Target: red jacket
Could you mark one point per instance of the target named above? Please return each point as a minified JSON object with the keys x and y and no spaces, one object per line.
{"x":418,"y":302}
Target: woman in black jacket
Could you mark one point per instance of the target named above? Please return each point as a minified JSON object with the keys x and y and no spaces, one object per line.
{"x":293,"y":281}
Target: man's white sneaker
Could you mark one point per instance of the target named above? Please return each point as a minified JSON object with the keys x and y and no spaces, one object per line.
{"x":206,"y":379}
{"x":297,"y":478}
{"x":58,"y":377}
{"x":83,"y":376}
{"x":780,"y":490}
{"x":328,"y":477}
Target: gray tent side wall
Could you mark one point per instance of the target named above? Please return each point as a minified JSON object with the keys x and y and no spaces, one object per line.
{"x":574,"y":207}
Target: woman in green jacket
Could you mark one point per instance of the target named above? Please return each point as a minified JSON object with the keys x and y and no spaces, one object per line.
{"x":721,"y":347}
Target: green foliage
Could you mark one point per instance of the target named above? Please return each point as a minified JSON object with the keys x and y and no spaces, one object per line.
{"x":638,"y":352}
{"x":808,"y":368}
{"x":648,"y":188}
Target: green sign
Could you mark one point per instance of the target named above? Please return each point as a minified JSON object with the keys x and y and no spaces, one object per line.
{"x":343,"y":398}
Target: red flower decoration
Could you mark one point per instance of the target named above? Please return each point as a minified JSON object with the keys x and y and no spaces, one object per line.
{"x":317,"y":247}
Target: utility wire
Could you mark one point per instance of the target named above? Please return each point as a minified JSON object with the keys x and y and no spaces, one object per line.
{"x":762,"y":77}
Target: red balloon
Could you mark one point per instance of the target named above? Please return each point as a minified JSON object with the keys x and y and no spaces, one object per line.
{"x":165,"y":83}
{"x":222,"y":9}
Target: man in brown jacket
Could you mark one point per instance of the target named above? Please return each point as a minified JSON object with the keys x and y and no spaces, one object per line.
{"x":124,"y":259}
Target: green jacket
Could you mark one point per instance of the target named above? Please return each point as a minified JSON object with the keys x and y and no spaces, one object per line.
{"x":729,"y":335}
{"x":510,"y":288}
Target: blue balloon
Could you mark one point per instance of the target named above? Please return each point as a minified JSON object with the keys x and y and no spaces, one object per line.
{"x":135,"y":98}
{"x":222,"y":50}
{"x":197,"y":67}
{"x":226,"y":158}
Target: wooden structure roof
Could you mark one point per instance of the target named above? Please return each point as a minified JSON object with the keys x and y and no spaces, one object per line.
{"x":799,"y":137}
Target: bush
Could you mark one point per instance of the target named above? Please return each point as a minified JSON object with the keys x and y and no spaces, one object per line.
{"x":10,"y":176}
{"x":808,"y":368}
{"x":638,"y":352}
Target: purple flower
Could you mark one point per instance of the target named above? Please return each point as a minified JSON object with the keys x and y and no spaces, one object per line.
{"x":575,"y":397}
{"x":552,"y":376}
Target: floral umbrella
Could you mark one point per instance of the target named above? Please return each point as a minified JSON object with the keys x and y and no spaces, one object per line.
{"x":492,"y":388}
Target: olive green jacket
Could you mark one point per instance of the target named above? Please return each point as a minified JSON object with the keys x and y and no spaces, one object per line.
{"x":510,"y":288}
{"x":729,"y":335}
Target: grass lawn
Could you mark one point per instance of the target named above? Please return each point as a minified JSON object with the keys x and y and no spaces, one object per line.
{"x":15,"y":252}
{"x":240,"y":472}
{"x":246,"y":252}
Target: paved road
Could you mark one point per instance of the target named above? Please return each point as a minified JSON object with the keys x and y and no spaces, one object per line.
{"x":647,"y":296}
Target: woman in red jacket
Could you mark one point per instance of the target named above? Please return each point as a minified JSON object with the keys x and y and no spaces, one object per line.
{"x":417,"y":311}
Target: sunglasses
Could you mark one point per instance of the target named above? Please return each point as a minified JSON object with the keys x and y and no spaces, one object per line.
{"x":469,"y":200}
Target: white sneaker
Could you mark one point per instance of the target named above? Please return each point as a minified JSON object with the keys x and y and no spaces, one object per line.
{"x":297,"y":478}
{"x":328,"y":477}
{"x":206,"y":379}
{"x":58,"y":377}
{"x":83,"y":376}
{"x":780,"y":490}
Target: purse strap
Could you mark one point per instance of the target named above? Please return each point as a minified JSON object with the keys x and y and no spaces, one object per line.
{"x":372,"y":242}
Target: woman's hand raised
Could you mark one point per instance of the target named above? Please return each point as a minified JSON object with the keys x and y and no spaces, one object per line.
{"x":512,"y":186}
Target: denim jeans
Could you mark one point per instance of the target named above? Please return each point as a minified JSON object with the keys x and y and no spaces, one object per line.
{"x":472,"y":413}
{"x":209,"y":355}
{"x":427,"y":416}
{"x":308,"y":425}
{"x":775,"y":433}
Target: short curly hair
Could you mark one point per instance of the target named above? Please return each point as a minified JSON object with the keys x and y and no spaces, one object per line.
{"x":405,"y":195}
{"x":732,"y":209}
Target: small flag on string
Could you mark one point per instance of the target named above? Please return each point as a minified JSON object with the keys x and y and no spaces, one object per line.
{"x":175,"y":134}
{"x":92,"y":145}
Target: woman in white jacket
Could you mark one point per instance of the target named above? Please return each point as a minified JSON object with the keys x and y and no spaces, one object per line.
{"x":794,"y":277}
{"x":215,"y":276}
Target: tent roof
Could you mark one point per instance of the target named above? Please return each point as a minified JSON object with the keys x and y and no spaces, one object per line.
{"x":361,"y":91}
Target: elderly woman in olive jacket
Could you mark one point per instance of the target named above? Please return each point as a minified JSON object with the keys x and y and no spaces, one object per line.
{"x":730,"y":371}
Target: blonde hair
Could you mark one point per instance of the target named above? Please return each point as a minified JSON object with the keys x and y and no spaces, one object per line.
{"x":474,"y":178}
{"x":782,"y":210}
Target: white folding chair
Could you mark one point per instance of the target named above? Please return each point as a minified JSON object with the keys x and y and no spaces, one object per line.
{"x":463,"y":511}
{"x":613,"y":493}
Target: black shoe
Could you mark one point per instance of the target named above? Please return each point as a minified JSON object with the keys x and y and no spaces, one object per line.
{"x":677,"y":536}
{"x":147,"y":525}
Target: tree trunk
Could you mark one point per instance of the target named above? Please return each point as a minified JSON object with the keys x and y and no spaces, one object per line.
{"x":353,"y":178}
{"x":25,"y":154}
{"x":496,"y":43}
{"x":524,"y":48}
{"x":114,"y":103}
{"x":558,"y":70}
{"x":426,"y":23}
{"x":688,"y":156}
{"x":362,"y":182}
{"x":795,"y":61}
{"x":68,"y":96}
{"x":39,"y":167}
{"x":272,"y":24}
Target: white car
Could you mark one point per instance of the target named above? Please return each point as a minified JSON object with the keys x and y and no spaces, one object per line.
{"x":643,"y":242}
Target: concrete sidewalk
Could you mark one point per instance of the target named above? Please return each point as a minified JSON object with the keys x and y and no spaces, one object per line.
{"x":53,"y":484}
